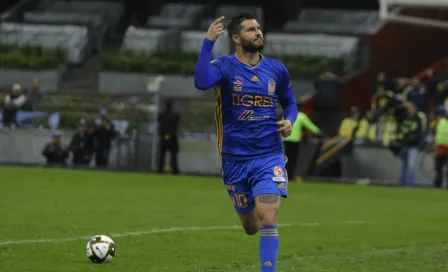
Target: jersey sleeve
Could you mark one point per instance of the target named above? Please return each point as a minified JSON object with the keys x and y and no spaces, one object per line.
{"x":207,"y":74}
{"x":308,"y":124}
{"x":286,"y":96}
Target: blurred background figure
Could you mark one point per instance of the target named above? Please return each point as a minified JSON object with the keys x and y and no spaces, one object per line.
{"x":81,"y":145}
{"x":103,"y":136}
{"x":55,"y":152}
{"x":169,"y":142}
{"x":410,"y":139}
{"x":292,"y":143}
{"x":12,"y":103}
{"x":441,"y":148}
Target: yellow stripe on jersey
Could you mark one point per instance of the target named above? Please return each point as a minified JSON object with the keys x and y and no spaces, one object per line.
{"x":218,"y":120}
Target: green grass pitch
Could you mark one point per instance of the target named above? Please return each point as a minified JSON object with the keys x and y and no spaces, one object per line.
{"x":166,"y":223}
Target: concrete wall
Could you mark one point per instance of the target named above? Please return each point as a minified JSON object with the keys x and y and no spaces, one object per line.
{"x":173,"y":86}
{"x":375,"y":164}
{"x":26,"y":147}
{"x":380,"y":164}
{"x":49,"y":80}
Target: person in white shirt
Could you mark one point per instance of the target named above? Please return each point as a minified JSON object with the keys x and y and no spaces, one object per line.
{"x":12,"y":103}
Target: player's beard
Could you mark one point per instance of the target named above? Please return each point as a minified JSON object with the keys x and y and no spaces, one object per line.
{"x":251,"y":47}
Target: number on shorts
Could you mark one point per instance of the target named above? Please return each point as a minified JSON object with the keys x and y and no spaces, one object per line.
{"x":240,"y":200}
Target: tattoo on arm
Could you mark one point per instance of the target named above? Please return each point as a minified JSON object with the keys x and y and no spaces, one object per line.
{"x":269,"y":198}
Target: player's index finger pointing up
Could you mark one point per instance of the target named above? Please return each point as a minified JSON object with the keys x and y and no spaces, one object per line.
{"x":219,"y":20}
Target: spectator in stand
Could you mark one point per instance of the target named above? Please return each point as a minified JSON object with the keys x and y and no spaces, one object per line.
{"x":417,"y":93}
{"x":12,"y":103}
{"x":381,"y":99}
{"x":390,"y":128}
{"x":33,"y":96}
{"x":383,"y":83}
{"x":350,"y":123}
{"x":438,"y":92}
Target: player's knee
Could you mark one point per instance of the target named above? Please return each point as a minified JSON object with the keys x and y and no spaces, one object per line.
{"x":268,"y":218}
{"x":251,"y":230}
{"x":251,"y":227}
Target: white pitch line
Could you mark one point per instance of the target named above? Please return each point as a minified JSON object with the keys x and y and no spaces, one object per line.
{"x":165,"y":230}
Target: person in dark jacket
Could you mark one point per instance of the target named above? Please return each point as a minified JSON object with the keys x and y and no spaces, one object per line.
{"x":55,"y":152}
{"x":103,"y":135}
{"x":169,"y":141}
{"x":409,"y":138}
{"x":81,"y":145}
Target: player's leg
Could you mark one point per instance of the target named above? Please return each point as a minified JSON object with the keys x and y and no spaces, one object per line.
{"x":269,"y":185}
{"x":250,"y":222}
{"x":162,"y":154}
{"x":267,"y":206}
{"x":174,"y":151}
{"x":293,"y":156}
{"x":235,"y":179}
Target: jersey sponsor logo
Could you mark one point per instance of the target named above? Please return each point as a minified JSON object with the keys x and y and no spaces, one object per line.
{"x":248,"y":115}
{"x":237,"y":84}
{"x":252,"y":101}
{"x":271,"y":86}
{"x":279,"y":175}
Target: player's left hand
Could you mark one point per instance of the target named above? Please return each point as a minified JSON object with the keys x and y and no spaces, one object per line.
{"x":285,"y":127}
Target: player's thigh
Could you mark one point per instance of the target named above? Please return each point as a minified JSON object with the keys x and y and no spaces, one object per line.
{"x":269,"y":185}
{"x":238,"y":187}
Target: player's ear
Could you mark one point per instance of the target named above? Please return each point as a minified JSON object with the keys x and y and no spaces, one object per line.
{"x":236,"y":38}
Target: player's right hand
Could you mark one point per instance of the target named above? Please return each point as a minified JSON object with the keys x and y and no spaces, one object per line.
{"x":215,"y":30}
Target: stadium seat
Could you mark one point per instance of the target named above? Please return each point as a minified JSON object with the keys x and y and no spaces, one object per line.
{"x":310,"y":44}
{"x":146,"y":40}
{"x":72,"y":38}
{"x":175,"y":15}
{"x":333,"y":21}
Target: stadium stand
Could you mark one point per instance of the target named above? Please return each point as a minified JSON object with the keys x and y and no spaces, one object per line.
{"x":175,"y":15}
{"x":334,"y":21}
{"x":77,"y":27}
{"x":73,"y":39}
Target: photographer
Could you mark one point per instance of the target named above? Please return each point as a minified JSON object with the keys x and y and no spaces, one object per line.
{"x":81,"y":145}
{"x":55,"y":152}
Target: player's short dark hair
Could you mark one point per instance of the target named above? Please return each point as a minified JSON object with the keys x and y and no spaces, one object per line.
{"x":234,"y":26}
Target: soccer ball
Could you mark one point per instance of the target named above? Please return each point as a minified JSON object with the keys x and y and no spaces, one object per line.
{"x":100,"y":249}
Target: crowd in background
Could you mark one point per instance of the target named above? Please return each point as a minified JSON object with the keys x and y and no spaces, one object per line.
{"x":91,"y":143}
{"x":403,"y":116}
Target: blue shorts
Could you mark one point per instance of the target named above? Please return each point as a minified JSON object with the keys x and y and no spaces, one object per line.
{"x":249,"y":178}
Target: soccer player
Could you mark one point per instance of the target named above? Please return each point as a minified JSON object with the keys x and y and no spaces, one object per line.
{"x":249,"y":141}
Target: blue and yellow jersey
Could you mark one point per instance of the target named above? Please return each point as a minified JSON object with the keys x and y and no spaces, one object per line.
{"x":246,"y":119}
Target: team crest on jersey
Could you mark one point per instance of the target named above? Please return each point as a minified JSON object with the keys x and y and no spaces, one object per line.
{"x":237,"y":84}
{"x":271,"y":86}
{"x":278,"y":174}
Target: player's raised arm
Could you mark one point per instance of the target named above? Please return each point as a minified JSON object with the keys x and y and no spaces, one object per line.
{"x":288,"y":103}
{"x":206,"y":74}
